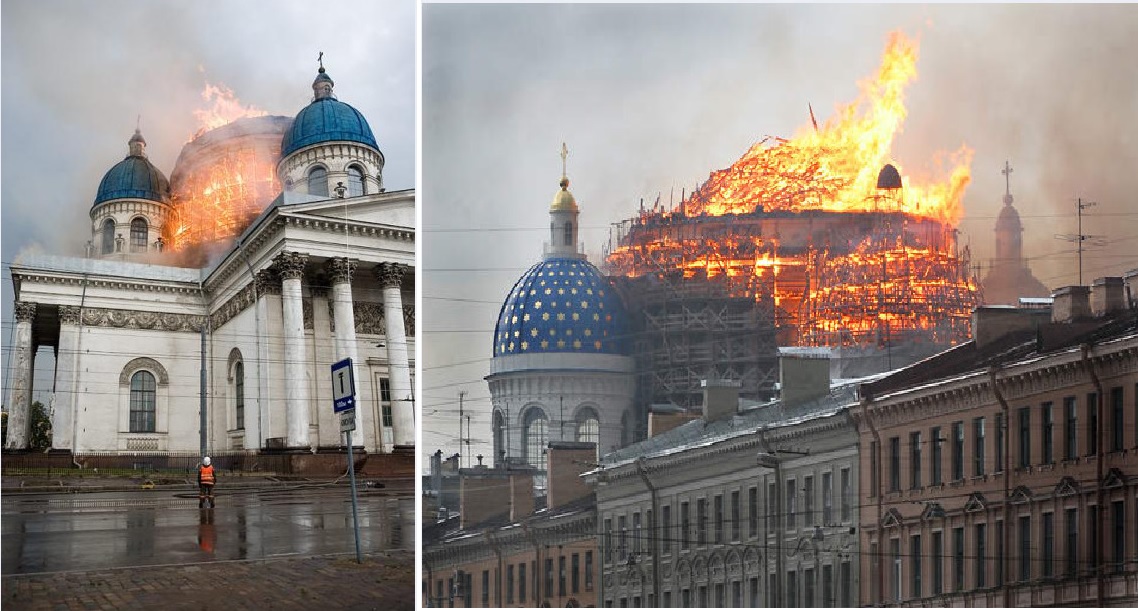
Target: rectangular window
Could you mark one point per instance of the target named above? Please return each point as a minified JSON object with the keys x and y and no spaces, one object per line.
{"x":1071,"y":413}
{"x":1072,"y":527}
{"x":575,"y":580}
{"x":999,"y":553}
{"x":702,"y":591}
{"x":666,"y":538}
{"x":791,"y":504}
{"x":1001,"y":432}
{"x":808,"y":588}
{"x":561,"y":575}
{"x":522,"y":582}
{"x":668,"y":600}
{"x":895,"y":553}
{"x":874,"y":468}
{"x":1048,"y":433}
{"x":735,"y":517}
{"x":938,"y":563}
{"x":754,"y":587}
{"x":450,"y":591}
{"x":588,"y":571}
{"x":1024,"y":548}
{"x":685,"y":598}
{"x":772,"y":507}
{"x":827,"y":586}
{"x":1118,"y":538}
{"x":958,"y":558}
{"x":637,"y":533}
{"x":485,"y":589}
{"x":808,"y":492}
{"x":1092,"y":424}
{"x":510,"y":584}
{"x":827,"y":499}
{"x":753,"y":512}
{"x":957,"y":451}
{"x":791,"y":589}
{"x":981,"y":555}
{"x":736,"y":594}
{"x":608,"y":540}
{"x":701,"y":521}
{"x":533,"y":578}
{"x":685,"y":526}
{"x":719,"y":518}
{"x":1048,"y":545}
{"x":720,"y":596}
{"x":894,"y":464}
{"x":1093,"y":536}
{"x":772,"y":600}
{"x":548,"y":577}
{"x":915,"y":459}
{"x":915,"y":566}
{"x":622,"y":532}
{"x":847,"y":585}
{"x":978,"y":446}
{"x":1024,"y":437}
{"x":1116,"y":426}
{"x":847,"y":495}
{"x":936,"y":458}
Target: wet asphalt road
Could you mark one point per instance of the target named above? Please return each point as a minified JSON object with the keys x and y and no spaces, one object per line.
{"x":65,"y":532}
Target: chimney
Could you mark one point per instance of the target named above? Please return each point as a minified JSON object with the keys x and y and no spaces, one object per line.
{"x":720,"y":399}
{"x":437,"y":471}
{"x":1071,"y":303}
{"x":663,"y":418}
{"x":481,"y":491}
{"x":1107,"y":296}
{"x":990,"y":323}
{"x":803,"y":378}
{"x":1130,"y":294}
{"x":567,"y":461}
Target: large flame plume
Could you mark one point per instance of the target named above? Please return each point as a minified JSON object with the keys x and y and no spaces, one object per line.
{"x":838,"y":249}
{"x":224,"y":108}
{"x":833,"y":166}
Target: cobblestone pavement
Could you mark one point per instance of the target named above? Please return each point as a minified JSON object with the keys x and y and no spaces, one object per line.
{"x":384,"y":581}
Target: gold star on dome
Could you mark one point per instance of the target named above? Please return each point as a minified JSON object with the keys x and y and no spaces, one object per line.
{"x":569,"y":332}
{"x":560,"y":343}
{"x":585,"y":305}
{"x":560,"y":291}
{"x":525,"y":318}
{"x":561,"y":316}
{"x":588,"y":291}
{"x":545,"y":315}
{"x":545,"y":344}
{"x":597,"y":344}
{"x":552,"y":332}
{"x":588,"y":332}
{"x":537,"y":305}
{"x":596,"y":317}
{"x":576,"y":316}
{"x":577,"y":344}
{"x":525,"y":346}
{"x":533,"y":332}
{"x":548,"y":291}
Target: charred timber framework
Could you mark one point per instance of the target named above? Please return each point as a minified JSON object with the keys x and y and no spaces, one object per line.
{"x":820,"y":278}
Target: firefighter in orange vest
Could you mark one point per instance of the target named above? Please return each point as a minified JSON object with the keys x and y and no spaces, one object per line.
{"x":206,"y":480}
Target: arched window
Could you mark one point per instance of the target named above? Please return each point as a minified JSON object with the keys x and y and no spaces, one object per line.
{"x":108,"y":236}
{"x":568,"y":234}
{"x":356,"y":186}
{"x":536,"y":436}
{"x":318,"y":181}
{"x":588,"y":426}
{"x":239,"y":392}
{"x":138,"y":235}
{"x":142,"y":402}
{"x":499,"y":439}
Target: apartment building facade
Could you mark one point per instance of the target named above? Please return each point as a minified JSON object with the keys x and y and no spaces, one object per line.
{"x":735,"y":509}
{"x":1004,"y":472}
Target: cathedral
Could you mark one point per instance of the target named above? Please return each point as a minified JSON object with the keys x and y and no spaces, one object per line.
{"x":210,"y":306}
{"x":561,"y":369}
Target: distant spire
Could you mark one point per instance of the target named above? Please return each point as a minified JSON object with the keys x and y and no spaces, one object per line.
{"x":1007,"y":172}
{"x":322,"y":86}
{"x":137,"y":144}
{"x":320,"y":59}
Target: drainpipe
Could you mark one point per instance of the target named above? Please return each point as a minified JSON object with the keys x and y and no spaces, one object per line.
{"x":1006,"y":544}
{"x":1099,"y":492}
{"x":257,"y":338}
{"x":867,"y":402}
{"x":655,"y":540}
{"x":203,"y":424}
{"x":75,"y":380}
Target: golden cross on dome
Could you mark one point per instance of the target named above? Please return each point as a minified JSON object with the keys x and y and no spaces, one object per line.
{"x":564,"y":156}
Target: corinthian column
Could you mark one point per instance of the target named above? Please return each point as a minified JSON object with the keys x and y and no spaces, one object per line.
{"x":390,"y":276}
{"x":290,"y":266}
{"x":66,"y":379}
{"x":20,"y":395}
{"x":340,"y":270}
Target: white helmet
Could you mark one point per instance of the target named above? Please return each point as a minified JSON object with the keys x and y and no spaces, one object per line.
{"x":205,"y":461}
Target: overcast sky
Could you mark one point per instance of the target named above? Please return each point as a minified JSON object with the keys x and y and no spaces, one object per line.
{"x":655,"y":97}
{"x":76,"y":75}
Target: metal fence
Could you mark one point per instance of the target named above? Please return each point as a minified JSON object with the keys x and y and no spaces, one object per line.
{"x":141,"y":464}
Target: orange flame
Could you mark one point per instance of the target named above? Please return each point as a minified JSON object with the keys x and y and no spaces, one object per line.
{"x":834,"y":166}
{"x":224,"y":109}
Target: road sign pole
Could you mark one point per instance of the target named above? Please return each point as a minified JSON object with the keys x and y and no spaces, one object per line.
{"x":355,"y":511}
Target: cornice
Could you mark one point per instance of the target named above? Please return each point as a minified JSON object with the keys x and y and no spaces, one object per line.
{"x":120,"y":284}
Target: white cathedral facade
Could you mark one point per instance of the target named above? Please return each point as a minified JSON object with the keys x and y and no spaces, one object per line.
{"x":325,"y":272}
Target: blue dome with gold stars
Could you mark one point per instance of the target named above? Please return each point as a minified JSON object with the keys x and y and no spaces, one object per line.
{"x":561,"y":305}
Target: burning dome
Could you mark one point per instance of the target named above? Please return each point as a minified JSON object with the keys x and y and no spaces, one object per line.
{"x":326,"y":119}
{"x":134,"y":177}
{"x":561,"y":305}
